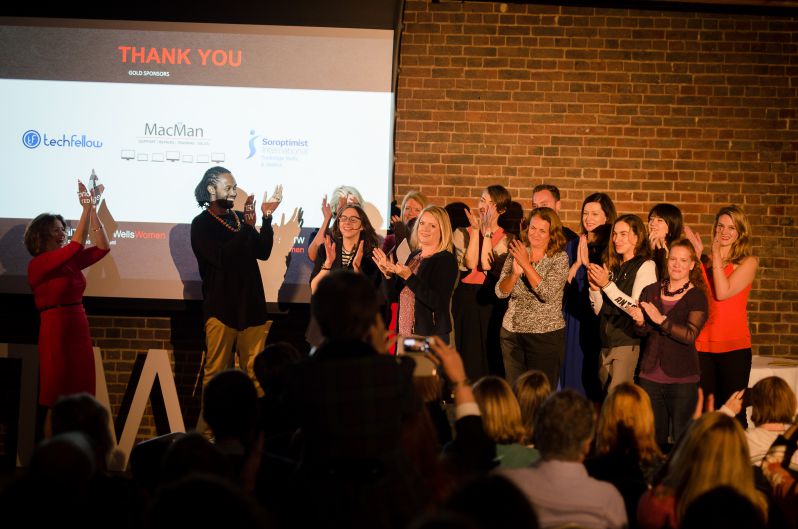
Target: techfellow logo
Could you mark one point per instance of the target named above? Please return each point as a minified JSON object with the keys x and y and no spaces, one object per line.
{"x":33,"y":139}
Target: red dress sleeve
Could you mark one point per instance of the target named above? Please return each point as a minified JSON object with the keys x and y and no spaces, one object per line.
{"x":89,"y":256}
{"x":46,"y":262}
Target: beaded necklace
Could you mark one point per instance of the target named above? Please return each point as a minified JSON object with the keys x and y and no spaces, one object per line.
{"x":224,"y":222}
{"x":667,"y":284}
{"x":347,"y":257}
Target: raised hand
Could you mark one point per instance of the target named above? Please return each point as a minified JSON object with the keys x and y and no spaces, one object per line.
{"x":695,"y":239}
{"x":473,"y":219}
{"x":582,"y":251}
{"x":520,"y":256}
{"x":598,"y":275}
{"x":329,"y":251}
{"x":358,"y":258}
{"x":487,"y":219}
{"x":656,"y":242}
{"x":735,"y":402}
{"x":700,"y":406}
{"x":448,"y":359}
{"x":270,"y":204}
{"x":326,"y":210}
{"x":383,"y":263}
{"x":249,"y":210}
{"x":84,"y":196}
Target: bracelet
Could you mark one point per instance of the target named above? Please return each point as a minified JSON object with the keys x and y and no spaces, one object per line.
{"x":326,"y":268}
{"x":464,"y":382}
{"x":98,"y":229}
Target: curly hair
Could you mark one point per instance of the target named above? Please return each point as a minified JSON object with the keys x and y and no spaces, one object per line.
{"x":36,"y":234}
{"x":556,"y":236}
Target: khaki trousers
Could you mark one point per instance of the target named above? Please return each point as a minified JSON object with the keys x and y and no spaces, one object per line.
{"x":220,"y":343}
{"x":617,"y":365}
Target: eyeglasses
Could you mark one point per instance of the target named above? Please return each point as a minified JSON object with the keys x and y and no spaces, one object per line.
{"x":349,"y":220}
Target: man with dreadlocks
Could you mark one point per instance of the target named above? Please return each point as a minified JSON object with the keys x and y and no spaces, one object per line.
{"x":227,"y":247}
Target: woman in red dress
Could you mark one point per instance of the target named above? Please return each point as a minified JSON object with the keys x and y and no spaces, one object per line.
{"x":66,"y":359}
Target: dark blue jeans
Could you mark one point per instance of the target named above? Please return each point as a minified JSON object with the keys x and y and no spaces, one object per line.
{"x":673,"y":406}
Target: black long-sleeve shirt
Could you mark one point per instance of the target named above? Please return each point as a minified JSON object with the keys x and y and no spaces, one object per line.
{"x":232,"y":288}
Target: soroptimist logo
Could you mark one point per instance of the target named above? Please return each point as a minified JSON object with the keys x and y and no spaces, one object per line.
{"x":32,"y":139}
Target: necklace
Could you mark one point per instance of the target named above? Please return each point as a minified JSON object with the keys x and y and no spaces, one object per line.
{"x":667,"y":284}
{"x":224,"y":222}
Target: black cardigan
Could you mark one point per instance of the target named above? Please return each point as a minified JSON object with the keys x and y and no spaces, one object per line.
{"x":673,"y":342}
{"x":432,"y":285}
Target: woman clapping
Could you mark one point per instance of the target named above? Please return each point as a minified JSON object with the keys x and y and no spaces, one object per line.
{"x":55,"y":275}
{"x":672,"y":312}
{"x":533,"y":277}
{"x":424,"y":284}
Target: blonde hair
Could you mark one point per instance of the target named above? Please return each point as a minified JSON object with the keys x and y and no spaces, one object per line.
{"x":531,"y":389}
{"x":627,"y":417}
{"x":442,"y":218}
{"x":556,"y":236}
{"x":772,"y":400}
{"x":713,"y":453}
{"x":740,"y":248}
{"x":414,"y":195}
{"x":501,"y":414}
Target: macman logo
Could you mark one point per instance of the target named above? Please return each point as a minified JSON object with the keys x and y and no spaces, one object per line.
{"x":32,"y":139}
{"x":179,"y":129}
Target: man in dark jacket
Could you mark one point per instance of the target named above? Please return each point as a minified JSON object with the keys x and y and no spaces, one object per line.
{"x":228,"y":247}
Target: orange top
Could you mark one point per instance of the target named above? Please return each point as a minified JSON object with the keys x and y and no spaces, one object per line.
{"x":727,"y":327}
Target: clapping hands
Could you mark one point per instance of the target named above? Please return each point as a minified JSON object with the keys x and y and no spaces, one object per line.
{"x":695,"y":239}
{"x":271,"y":203}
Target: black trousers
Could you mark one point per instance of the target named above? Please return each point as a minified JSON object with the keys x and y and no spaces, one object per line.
{"x":524,"y":351}
{"x":724,"y":373}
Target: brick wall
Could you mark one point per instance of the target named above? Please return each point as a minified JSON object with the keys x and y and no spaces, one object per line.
{"x":123,"y":339}
{"x":697,"y":109}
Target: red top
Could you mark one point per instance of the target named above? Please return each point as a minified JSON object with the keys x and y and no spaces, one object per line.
{"x":55,"y":276}
{"x":727,"y":327}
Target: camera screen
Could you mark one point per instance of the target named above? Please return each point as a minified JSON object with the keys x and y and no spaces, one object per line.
{"x":415,"y":345}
